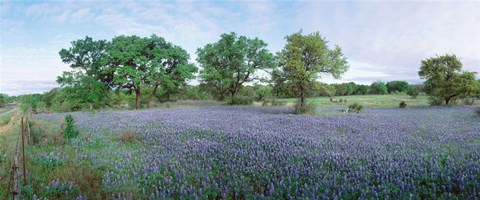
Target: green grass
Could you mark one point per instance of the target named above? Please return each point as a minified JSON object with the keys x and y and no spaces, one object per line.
{"x":391,"y":100}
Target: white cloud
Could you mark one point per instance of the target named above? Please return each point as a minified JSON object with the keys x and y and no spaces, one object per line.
{"x":398,"y":34}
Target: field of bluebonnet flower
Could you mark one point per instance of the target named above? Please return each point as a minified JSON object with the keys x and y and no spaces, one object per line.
{"x":264,"y":152}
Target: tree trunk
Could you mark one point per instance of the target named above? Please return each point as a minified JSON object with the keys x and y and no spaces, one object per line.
{"x":447,"y":100}
{"x":154,"y":93}
{"x":234,"y":97}
{"x":138,"y":94}
{"x":91,"y":106}
{"x":302,"y":97}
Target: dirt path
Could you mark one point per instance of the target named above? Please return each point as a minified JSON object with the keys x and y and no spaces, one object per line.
{"x":7,"y":109}
{"x":4,"y":129}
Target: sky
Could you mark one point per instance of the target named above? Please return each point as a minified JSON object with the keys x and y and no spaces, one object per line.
{"x":382,"y":40}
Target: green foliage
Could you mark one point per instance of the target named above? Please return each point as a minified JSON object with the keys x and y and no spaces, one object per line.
{"x":445,"y":80}
{"x":127,"y":62}
{"x":139,"y":62}
{"x":262,"y":92}
{"x":188,"y":92}
{"x":49,"y":96}
{"x":361,"y":90}
{"x":49,"y":161}
{"x":435,"y":101}
{"x":355,"y":108}
{"x":397,"y":86}
{"x":27,"y":191}
{"x":29,"y":100}
{"x":402,"y":104}
{"x":41,"y":107}
{"x":2,"y":100}
{"x":69,"y":131}
{"x":306,"y":109}
{"x":231,"y":62}
{"x":240,"y":100}
{"x":344,"y":89}
{"x":303,"y":59}
{"x":378,"y":87}
{"x":413,"y":92}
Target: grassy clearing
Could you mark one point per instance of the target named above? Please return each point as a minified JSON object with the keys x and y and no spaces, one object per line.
{"x":5,"y":118}
{"x":391,"y":100}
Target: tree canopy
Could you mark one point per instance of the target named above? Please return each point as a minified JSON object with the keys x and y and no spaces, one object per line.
{"x":129,"y":63}
{"x":304,"y":59}
{"x":445,"y":80}
{"x":231,"y":62}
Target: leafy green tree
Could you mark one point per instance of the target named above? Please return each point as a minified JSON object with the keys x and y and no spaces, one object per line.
{"x":361,"y":90}
{"x":324,"y":90}
{"x":90,"y":79}
{"x":172,"y":70}
{"x":231,"y":62}
{"x":89,"y":57}
{"x":89,"y":91}
{"x":262,"y":92}
{"x":148,"y":62}
{"x":445,"y":79}
{"x":378,"y":87}
{"x":344,"y":89}
{"x":29,"y":100}
{"x":49,"y":96}
{"x":2,"y":100}
{"x":413,"y":91}
{"x":304,"y":58}
{"x":397,"y":86}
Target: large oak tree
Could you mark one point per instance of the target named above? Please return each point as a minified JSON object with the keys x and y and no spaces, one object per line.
{"x":445,"y":80}
{"x":304,"y":59}
{"x":231,"y":62}
{"x":148,"y":62}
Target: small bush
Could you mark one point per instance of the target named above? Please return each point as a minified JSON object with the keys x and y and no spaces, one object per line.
{"x":41,"y":107}
{"x":277,"y":102}
{"x":412,"y":92}
{"x":69,"y":131}
{"x":240,"y":100}
{"x":402,"y":104}
{"x":468,"y":102}
{"x":435,"y":101}
{"x":355,"y":108}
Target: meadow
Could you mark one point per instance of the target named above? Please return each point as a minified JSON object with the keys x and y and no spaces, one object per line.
{"x":259,"y":153}
{"x":391,"y":100}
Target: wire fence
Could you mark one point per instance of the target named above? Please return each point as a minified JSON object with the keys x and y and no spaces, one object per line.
{"x":18,"y":177}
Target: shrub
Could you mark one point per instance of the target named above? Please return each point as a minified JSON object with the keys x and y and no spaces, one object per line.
{"x":277,"y":102}
{"x":355,"y":108}
{"x":241,"y":100}
{"x":435,"y":101}
{"x":403,"y":104}
{"x":41,"y":107}
{"x":469,"y":101}
{"x":412,"y":92}
{"x":69,"y":131}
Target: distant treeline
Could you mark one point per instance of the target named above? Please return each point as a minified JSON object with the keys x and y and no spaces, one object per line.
{"x":66,"y":100}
